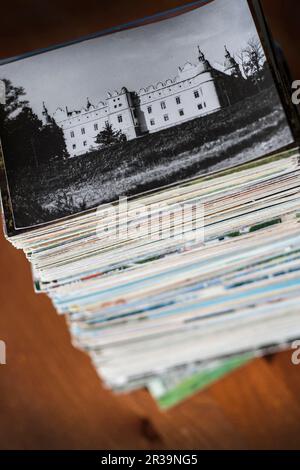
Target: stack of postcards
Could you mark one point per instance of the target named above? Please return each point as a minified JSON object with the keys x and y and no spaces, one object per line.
{"x":163,"y":221}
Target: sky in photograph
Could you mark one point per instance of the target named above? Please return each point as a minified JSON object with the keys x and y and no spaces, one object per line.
{"x":134,"y":58}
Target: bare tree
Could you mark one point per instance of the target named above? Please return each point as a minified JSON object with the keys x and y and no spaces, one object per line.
{"x":252,"y":58}
{"x":242,"y":61}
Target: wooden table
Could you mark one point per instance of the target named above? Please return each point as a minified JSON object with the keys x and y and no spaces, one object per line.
{"x":50,"y":396}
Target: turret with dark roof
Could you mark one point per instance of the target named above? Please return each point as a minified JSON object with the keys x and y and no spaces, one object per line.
{"x":46,"y":115}
{"x":231,"y":66}
{"x":205,"y":65}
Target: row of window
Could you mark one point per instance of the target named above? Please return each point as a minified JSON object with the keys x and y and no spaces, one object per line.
{"x":152,"y":121}
{"x":166,"y":117}
{"x":180,"y":111}
{"x":96,"y":127}
{"x":177,"y":99}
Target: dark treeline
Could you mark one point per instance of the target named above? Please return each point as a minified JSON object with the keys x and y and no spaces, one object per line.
{"x":26,"y":141}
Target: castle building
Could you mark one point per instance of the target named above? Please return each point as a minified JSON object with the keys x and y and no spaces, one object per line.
{"x":197,"y":90}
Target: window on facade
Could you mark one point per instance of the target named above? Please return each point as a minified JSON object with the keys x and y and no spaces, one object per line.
{"x":200,"y":106}
{"x":204,"y":104}
{"x":163,"y":105}
{"x":120,"y":104}
{"x":178,"y":100}
{"x":82,"y":130}
{"x":196,"y":94}
{"x":72,"y":134}
{"x":84,"y":143}
{"x":152,"y":122}
{"x":120,"y":118}
{"x":149,"y":109}
{"x":95,"y":127}
{"x":166,"y":117}
{"x":74,"y":146}
{"x":181,"y":112}
{"x":115,"y":106}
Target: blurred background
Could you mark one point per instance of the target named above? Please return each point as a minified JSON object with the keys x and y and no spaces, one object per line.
{"x":50,"y":396}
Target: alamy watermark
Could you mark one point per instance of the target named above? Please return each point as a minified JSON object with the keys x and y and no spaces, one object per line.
{"x":129,"y":220}
{"x":2,"y":353}
{"x":296,"y":92}
{"x":296,"y":353}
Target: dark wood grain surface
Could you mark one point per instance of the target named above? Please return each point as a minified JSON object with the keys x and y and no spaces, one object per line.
{"x":50,"y":396}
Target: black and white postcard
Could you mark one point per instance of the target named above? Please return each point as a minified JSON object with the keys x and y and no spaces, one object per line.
{"x":135,"y":110}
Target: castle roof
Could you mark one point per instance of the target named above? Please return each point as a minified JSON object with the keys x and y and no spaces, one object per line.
{"x":185,"y":72}
{"x":188,"y":71}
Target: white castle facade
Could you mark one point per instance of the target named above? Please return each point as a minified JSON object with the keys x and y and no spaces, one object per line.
{"x":197,"y":90}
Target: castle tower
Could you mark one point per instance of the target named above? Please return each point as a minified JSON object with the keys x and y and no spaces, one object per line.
{"x":88,"y":104}
{"x":121,"y":112}
{"x":231,"y":67}
{"x":204,"y":63}
{"x":46,"y":116}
